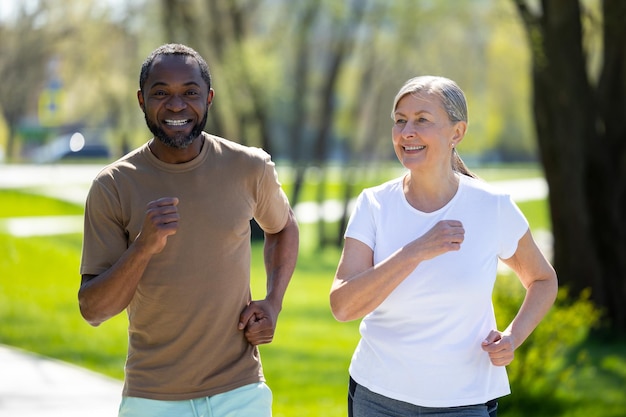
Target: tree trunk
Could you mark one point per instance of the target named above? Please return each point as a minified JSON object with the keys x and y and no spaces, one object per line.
{"x":582,"y":145}
{"x":300,"y":92}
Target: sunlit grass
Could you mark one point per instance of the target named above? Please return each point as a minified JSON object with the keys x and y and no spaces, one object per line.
{"x":16,"y":203}
{"x":306,"y":365}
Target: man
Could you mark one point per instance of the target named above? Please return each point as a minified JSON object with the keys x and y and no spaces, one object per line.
{"x":167,"y":237}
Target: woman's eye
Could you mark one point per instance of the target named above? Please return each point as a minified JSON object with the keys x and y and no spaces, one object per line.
{"x":400,"y":121}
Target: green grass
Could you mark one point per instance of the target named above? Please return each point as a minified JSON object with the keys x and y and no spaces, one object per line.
{"x":17,"y":203}
{"x":306,"y":365}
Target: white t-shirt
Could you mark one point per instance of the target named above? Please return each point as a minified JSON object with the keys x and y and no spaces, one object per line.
{"x":422,"y":345}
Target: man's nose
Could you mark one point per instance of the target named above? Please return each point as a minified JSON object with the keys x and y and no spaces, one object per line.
{"x":175,"y":103}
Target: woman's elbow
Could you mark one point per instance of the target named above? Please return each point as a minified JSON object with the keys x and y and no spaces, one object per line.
{"x":554,"y":285}
{"x":340,"y":309}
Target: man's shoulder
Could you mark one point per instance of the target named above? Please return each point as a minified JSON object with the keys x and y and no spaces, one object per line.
{"x":222,"y":145}
{"x":127,"y":163}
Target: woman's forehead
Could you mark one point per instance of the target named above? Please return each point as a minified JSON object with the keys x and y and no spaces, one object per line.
{"x":419,"y":100}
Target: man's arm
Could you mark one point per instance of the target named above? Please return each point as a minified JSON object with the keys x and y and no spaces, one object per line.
{"x":258,"y":320}
{"x":103,"y":296}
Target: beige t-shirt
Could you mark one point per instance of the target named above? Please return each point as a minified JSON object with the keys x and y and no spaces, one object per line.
{"x":183,"y":337}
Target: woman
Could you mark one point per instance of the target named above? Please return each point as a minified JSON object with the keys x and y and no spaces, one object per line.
{"x":419,"y":265}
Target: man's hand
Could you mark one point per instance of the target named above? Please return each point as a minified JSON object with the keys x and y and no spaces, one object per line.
{"x":258,"y":321}
{"x":160,"y":222}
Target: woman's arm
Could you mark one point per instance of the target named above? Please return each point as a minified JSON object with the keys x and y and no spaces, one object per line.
{"x":540,"y":281}
{"x":360,"y":286}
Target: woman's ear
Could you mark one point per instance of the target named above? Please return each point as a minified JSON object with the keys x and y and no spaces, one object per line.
{"x":459,"y":133}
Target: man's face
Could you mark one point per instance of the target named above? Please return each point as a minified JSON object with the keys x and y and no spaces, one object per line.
{"x":175,"y":100}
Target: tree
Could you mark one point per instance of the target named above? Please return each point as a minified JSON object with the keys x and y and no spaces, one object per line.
{"x":84,"y":50}
{"x":580,"y":128}
{"x":26,"y":50}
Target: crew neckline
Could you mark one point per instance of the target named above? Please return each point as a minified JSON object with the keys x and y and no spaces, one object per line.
{"x":184,"y":166}
{"x":456,"y":195}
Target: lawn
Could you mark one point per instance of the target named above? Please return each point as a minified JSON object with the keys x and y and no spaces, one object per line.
{"x":306,"y":365}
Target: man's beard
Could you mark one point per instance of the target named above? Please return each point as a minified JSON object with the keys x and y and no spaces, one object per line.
{"x":179,"y":140}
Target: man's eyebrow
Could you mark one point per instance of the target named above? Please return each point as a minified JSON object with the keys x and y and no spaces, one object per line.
{"x":164,"y":84}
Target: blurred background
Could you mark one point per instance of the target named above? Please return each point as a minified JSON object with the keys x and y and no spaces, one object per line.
{"x":312,"y":82}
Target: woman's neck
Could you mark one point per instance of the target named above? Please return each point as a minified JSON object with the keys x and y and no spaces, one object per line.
{"x":429,"y":193}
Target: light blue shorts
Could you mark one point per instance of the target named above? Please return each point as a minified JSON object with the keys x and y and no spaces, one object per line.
{"x":254,"y":400}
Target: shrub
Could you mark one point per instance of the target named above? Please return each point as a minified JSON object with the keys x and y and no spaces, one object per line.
{"x":545,"y":360}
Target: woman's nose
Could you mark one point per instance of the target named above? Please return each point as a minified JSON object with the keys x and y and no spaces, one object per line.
{"x":408,"y":130}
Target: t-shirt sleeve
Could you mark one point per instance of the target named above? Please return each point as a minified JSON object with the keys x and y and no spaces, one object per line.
{"x":512,"y":226}
{"x":104,"y":237}
{"x":361,"y":225}
{"x":272,"y":210}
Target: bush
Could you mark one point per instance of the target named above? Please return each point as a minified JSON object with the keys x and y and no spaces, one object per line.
{"x":546,"y":360}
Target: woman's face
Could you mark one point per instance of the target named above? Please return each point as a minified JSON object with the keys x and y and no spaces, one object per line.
{"x":422,"y":133}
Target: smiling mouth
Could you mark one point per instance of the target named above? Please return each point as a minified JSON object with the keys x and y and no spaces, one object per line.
{"x":414,"y":148}
{"x":177,"y":122}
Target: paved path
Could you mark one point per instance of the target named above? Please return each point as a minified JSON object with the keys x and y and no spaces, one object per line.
{"x":36,"y":386}
{"x":33,"y":385}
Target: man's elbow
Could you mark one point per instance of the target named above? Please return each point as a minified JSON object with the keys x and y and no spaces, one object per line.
{"x":88,"y":314}
{"x":92,"y":320}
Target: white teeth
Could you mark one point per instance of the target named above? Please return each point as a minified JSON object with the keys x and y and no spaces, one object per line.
{"x":176,"y":122}
{"x":413,"y":148}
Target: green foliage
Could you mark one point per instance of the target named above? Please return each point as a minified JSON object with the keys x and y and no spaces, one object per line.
{"x":544,"y":363}
{"x":558,"y":371}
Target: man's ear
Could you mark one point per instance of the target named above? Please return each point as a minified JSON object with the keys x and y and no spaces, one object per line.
{"x":209,"y":98}
{"x":140,"y":100}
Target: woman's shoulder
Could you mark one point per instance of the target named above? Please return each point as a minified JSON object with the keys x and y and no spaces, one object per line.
{"x":481,"y":186}
{"x":479,"y":190}
{"x":380,"y":197}
{"x":386,"y":187}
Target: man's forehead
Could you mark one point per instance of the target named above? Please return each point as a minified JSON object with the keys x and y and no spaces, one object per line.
{"x":174,"y":67}
{"x":175,"y":60}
